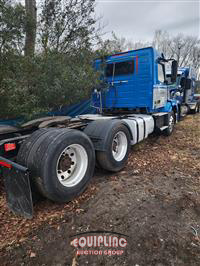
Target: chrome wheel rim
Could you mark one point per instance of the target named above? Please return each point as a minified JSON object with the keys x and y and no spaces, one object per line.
{"x":171,"y":123}
{"x":119,"y":146}
{"x":72,"y":165}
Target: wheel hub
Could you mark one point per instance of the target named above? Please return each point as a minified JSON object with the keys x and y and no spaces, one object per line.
{"x":65,"y":163}
{"x":119,"y":146}
{"x":72,"y":165}
{"x":115,"y":145}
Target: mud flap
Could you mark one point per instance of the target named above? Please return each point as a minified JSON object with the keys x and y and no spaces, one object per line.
{"x":18,"y":192}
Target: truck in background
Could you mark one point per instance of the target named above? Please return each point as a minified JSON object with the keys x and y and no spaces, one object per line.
{"x":56,"y":156}
{"x":183,"y":90}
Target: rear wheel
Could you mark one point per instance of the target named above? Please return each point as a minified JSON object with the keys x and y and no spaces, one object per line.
{"x":117,"y":149}
{"x":25,"y":152}
{"x":61,"y":163}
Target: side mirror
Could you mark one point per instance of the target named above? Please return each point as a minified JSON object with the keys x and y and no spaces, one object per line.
{"x":174,"y":71}
{"x":182,"y":82}
{"x":188,"y":84}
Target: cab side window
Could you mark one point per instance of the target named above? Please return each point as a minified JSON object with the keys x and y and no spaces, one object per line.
{"x":161,"y":77}
{"x":120,"y":68}
{"x":124,"y":68}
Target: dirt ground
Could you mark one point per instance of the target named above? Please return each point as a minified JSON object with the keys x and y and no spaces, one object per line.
{"x":155,"y":200}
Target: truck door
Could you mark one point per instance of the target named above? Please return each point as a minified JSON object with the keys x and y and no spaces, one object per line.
{"x":160,"y":90}
{"x":119,"y":76}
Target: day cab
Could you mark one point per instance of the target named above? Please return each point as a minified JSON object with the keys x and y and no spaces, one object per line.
{"x":135,"y":82}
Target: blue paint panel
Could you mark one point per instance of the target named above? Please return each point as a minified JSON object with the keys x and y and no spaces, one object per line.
{"x":136,"y":91}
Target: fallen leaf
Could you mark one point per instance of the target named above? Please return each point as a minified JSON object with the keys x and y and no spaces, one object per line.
{"x":32,"y":255}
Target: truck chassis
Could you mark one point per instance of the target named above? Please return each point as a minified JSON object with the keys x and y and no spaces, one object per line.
{"x":55,"y":156}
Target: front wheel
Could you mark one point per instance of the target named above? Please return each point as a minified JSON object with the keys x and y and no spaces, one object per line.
{"x":117,"y":149}
{"x":195,"y":110}
{"x":170,"y":124}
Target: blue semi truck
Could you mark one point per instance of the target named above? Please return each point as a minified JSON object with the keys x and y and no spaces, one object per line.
{"x":183,"y":90}
{"x":135,"y":82}
{"x":55,"y":156}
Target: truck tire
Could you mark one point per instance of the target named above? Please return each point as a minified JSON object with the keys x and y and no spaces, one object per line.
{"x":170,"y":123}
{"x":117,"y":149}
{"x":195,"y":110}
{"x":26,"y":149}
{"x":27,"y":145}
{"x":61,"y":163}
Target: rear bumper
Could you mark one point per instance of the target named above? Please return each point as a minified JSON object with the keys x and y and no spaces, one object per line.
{"x":17,"y":186}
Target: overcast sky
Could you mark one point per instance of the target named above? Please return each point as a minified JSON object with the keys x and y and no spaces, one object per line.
{"x":137,"y":20}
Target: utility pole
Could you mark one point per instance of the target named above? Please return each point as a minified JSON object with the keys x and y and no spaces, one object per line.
{"x":31,"y":21}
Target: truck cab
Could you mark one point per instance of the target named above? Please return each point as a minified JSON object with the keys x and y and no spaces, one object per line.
{"x":183,"y":89}
{"x":133,"y":82}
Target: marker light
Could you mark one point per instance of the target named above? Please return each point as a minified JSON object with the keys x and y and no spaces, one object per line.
{"x":9,"y":146}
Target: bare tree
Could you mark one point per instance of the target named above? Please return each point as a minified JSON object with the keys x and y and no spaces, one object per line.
{"x":130,"y":45}
{"x":185,"y":49}
{"x":195,"y":59}
{"x":31,"y":21}
{"x":117,"y":44}
{"x":161,"y":41}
